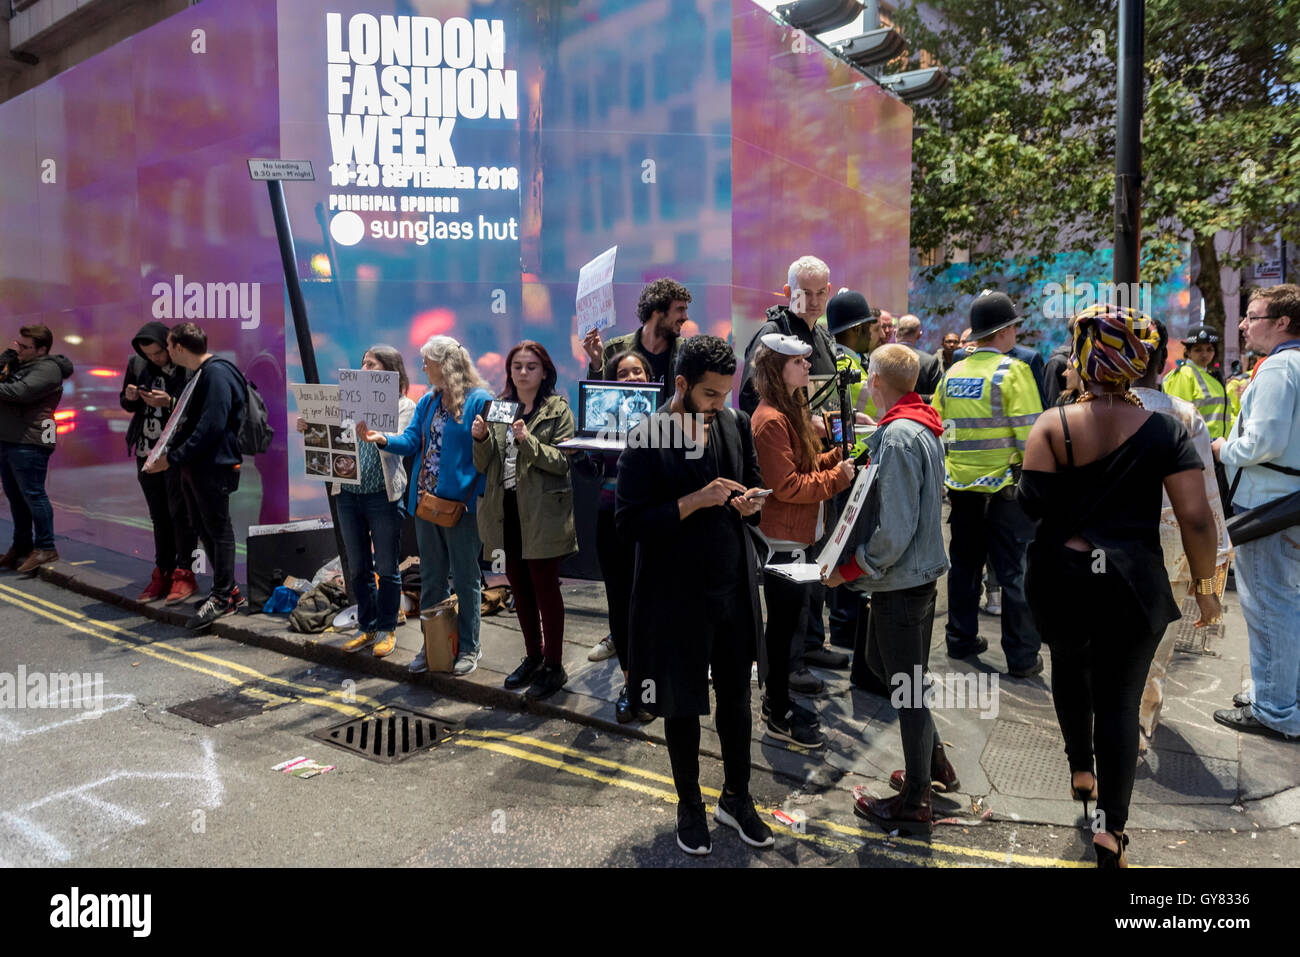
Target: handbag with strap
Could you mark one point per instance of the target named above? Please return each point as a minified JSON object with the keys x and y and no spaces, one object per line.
{"x":443,"y":512}
{"x":1264,"y":519}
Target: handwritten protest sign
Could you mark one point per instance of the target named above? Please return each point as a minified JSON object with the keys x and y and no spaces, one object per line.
{"x":595,"y":299}
{"x":331,"y":449}
{"x":369,"y":396}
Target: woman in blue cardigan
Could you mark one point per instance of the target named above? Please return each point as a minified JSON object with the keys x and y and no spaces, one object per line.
{"x":439,"y":438}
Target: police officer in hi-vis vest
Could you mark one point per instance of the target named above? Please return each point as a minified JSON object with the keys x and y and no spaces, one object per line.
{"x":989,"y":401}
{"x":1194,"y":382}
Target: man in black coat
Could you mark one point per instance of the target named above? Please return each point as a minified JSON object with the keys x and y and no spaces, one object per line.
{"x":686,"y":485}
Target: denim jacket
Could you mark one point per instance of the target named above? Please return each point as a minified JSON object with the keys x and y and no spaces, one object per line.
{"x":899,"y":535}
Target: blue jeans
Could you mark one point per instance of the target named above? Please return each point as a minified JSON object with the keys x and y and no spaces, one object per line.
{"x":1268,"y":583}
{"x":452,"y":553}
{"x":365,"y":519}
{"x":22,"y":473}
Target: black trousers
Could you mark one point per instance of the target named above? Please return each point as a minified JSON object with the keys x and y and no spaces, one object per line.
{"x":731,"y":661}
{"x":991,"y":526}
{"x":843,"y":603}
{"x":898,"y":646}
{"x":617,"y":558}
{"x":1099,"y":668}
{"x":207,"y":491}
{"x":174,"y":539}
{"x":787,"y":616}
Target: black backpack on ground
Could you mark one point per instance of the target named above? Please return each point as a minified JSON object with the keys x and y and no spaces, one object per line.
{"x":255,"y":433}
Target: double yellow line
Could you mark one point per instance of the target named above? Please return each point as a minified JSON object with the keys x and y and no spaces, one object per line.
{"x":818,"y":831}
{"x":241,"y":676}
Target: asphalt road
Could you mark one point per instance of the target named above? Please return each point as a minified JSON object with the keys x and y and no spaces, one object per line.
{"x":133,"y":784}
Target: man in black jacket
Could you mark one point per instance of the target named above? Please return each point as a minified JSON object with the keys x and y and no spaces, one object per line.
{"x":205,"y":446}
{"x":808,"y":284}
{"x":150,"y":388}
{"x":31,"y":386}
{"x":686,"y":507}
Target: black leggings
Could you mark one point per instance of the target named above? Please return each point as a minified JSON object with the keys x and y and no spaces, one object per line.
{"x":787,"y":619}
{"x":1100,"y":658}
{"x":733,"y":720}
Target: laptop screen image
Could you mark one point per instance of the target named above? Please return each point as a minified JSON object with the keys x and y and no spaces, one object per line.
{"x":612,"y":408}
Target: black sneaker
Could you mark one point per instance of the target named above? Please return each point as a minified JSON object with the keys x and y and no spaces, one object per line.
{"x":805,"y":682}
{"x":550,"y":680}
{"x":792,"y":729}
{"x":808,"y":714}
{"x":526,"y":673}
{"x":737,"y":811}
{"x":212,"y":609}
{"x":1036,"y":668}
{"x":693,"y":829}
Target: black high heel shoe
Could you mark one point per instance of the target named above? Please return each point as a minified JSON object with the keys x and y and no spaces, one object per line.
{"x":1108,"y":859}
{"x":1084,"y":794}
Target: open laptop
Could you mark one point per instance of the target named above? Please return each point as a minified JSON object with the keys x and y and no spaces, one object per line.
{"x":607,"y":410}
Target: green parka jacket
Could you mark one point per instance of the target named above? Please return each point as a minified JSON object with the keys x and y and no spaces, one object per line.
{"x":544,"y":489}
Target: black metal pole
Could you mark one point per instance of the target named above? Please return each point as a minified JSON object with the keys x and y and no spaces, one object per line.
{"x":306,"y":352}
{"x":1128,"y":150}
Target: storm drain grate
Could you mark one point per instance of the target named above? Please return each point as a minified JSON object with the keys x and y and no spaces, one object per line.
{"x":1195,"y":641}
{"x":220,"y":708}
{"x":388,"y":735}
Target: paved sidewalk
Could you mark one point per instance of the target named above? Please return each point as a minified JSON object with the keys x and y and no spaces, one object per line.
{"x":1197,"y":775}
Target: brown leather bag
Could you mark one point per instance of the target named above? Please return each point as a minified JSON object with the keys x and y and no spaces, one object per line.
{"x":443,"y":512}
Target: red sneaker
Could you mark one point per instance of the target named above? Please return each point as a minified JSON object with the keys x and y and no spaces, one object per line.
{"x":158,"y":586}
{"x":183,"y":586}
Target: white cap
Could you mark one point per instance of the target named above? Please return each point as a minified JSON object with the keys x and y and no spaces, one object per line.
{"x":786,"y":345}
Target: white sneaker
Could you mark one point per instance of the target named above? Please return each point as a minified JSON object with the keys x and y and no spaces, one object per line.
{"x":993,"y":601}
{"x":602,"y":650}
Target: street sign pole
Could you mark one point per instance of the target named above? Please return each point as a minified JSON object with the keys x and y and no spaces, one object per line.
{"x":271,"y":170}
{"x":1128,"y":150}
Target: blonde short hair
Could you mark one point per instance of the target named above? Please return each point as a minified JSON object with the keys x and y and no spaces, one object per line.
{"x":897,"y":366}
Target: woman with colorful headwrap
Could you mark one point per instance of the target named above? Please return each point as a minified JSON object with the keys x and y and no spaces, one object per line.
{"x":1095,"y":578}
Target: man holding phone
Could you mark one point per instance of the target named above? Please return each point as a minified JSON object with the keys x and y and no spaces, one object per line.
{"x":150,"y":388}
{"x":686,"y":508}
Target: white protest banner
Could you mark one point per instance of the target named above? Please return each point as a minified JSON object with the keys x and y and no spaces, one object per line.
{"x":173,"y":423}
{"x":331,"y":450}
{"x":595,"y":300}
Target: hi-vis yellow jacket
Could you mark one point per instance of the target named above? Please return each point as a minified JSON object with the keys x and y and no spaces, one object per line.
{"x":1235,"y":387}
{"x":859,"y":397}
{"x":988,"y":403}
{"x":1201,"y":389}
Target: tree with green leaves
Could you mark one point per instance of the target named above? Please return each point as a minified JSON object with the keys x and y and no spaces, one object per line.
{"x":1015,"y":162}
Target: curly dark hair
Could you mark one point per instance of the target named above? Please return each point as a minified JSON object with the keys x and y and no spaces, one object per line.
{"x":659,"y":296}
{"x":701,"y":354}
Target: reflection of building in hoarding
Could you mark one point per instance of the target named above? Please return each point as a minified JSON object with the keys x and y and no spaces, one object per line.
{"x":632,"y":148}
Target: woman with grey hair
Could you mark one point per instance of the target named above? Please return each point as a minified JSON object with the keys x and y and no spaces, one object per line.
{"x":439,"y":438}
{"x":370,"y":523}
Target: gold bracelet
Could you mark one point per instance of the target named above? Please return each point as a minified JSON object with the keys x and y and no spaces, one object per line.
{"x":1206,"y":586}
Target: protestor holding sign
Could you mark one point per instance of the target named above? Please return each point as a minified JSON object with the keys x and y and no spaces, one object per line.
{"x":900,"y":562}
{"x":438,"y":436}
{"x":527,"y":510}
{"x":661,"y":309}
{"x":370,"y":520}
{"x":794,"y":517}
